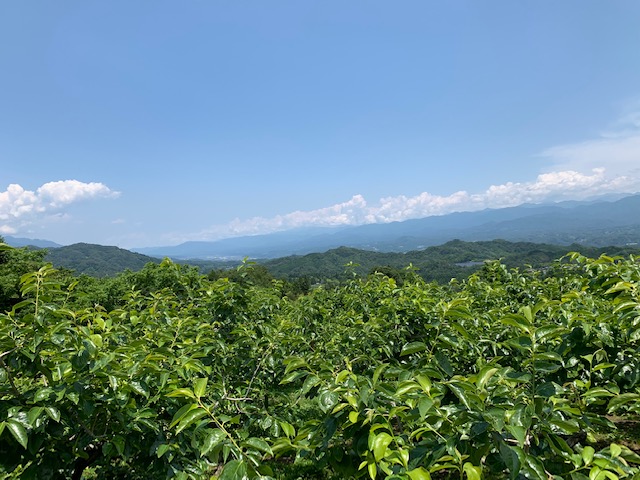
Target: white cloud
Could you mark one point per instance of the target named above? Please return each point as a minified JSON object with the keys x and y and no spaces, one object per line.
{"x":547,"y":187}
{"x":7,"y":230}
{"x":20,"y":207}
{"x":616,"y":149}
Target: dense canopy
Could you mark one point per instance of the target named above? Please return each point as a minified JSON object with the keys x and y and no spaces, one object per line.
{"x":507,"y":374}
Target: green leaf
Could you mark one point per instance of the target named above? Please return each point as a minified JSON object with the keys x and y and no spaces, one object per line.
{"x":519,"y":433}
{"x":33,"y":415}
{"x":372,"y":469}
{"x":424,"y":405}
{"x":587,"y":454}
{"x":615,"y":450}
{"x":472,"y":472}
{"x":96,"y":339}
{"x":464,"y":391}
{"x":565,"y":427}
{"x":293,"y":376}
{"x":190,"y":418}
{"x":485,"y":374}
{"x":162,"y":449}
{"x":18,"y":432}
{"x":183,"y":411}
{"x":118,"y":441}
{"x":182,"y":392}
{"x":518,"y":321}
{"x":288,"y":429}
{"x":511,"y":459}
{"x":376,"y":375}
{"x":406,"y":387}
{"x":629,"y":455}
{"x":378,"y":444}
{"x":140,"y":388}
{"x":309,"y":382}
{"x":597,"y":392}
{"x":294,"y":363}
{"x":413,"y":347}
{"x":622,"y":399}
{"x":536,"y":467}
{"x":327,"y":400}
{"x":213,"y":439}
{"x":53,"y":413}
{"x":200,"y":386}
{"x":258,"y":444}
{"x":419,"y":474}
{"x":443,"y":363}
{"x":234,"y":470}
{"x":549,"y":332}
{"x":42,"y":394}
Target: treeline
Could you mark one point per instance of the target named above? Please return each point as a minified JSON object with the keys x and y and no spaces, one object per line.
{"x":106,"y":273}
{"x":454,"y":259}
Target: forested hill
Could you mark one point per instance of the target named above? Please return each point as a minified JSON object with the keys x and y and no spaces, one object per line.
{"x":97,"y":260}
{"x":453,"y":259}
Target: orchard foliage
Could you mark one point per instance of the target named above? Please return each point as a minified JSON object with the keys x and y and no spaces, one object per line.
{"x":509,"y":374}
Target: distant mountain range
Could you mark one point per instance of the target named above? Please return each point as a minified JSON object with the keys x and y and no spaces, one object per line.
{"x":595,"y":223}
{"x":29,"y":242}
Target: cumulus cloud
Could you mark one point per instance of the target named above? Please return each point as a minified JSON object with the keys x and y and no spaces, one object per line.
{"x":19,"y":206}
{"x":547,"y":187}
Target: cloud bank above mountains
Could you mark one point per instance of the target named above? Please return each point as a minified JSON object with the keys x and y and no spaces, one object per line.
{"x":19,"y":207}
{"x":553,"y":186}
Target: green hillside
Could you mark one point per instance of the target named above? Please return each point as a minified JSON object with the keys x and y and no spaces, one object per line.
{"x":441,"y":263}
{"x":97,"y":260}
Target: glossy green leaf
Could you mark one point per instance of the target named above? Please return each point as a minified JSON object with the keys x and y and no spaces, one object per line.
{"x":182,"y":392}
{"x":327,"y":400}
{"x":419,"y":474}
{"x":378,"y":444}
{"x":413,"y":347}
{"x":177,"y":417}
{"x":214,"y":438}
{"x":200,"y":387}
{"x":485,"y":374}
{"x":18,"y":432}
{"x":258,"y":444}
{"x":234,"y":470}
{"x":53,"y":413}
{"x":190,"y":418}
{"x":517,"y":321}
{"x":162,"y":449}
{"x":472,"y":472}
{"x":623,"y":399}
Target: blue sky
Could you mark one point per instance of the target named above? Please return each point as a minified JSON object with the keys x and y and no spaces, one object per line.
{"x":155,"y":122}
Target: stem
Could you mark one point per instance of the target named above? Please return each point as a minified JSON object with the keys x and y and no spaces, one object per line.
{"x":94,"y":452}
{"x":219,"y":425}
{"x":16,"y":392}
